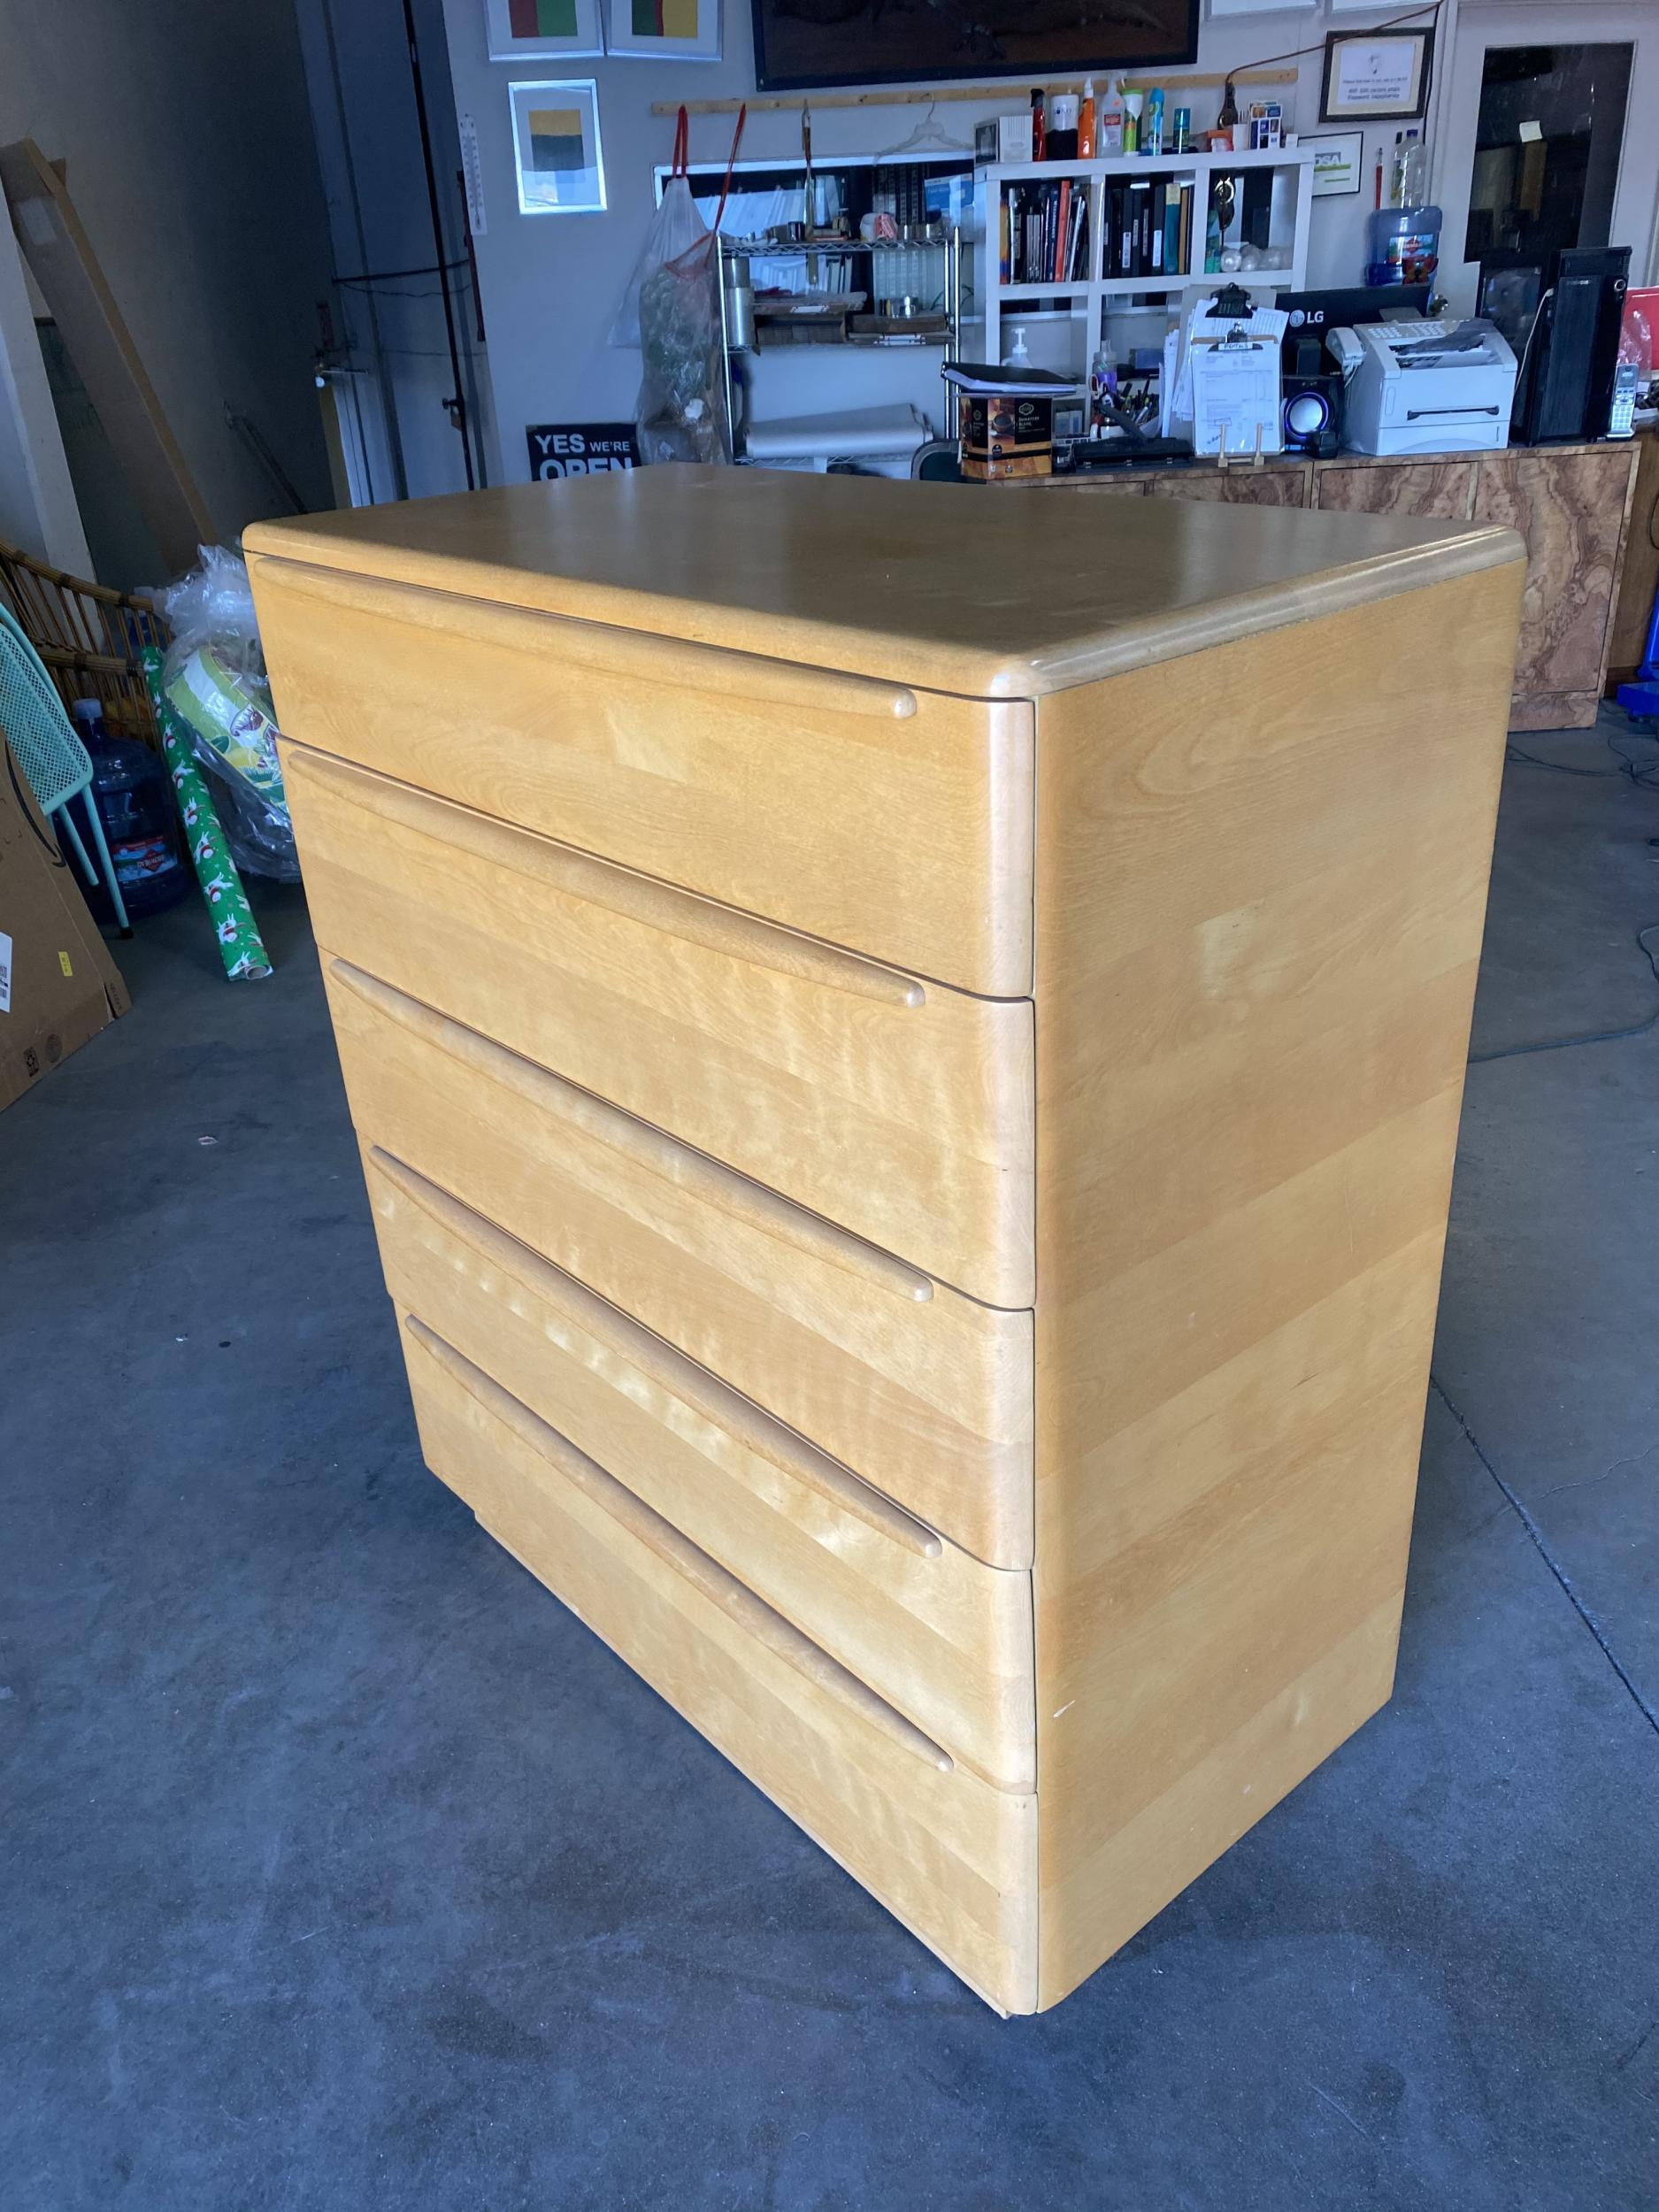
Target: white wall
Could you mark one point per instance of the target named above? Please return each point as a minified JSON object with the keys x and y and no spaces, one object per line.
{"x":550,"y":284}
{"x":188,"y":137}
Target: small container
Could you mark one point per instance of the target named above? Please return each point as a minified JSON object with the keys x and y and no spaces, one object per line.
{"x":1182,"y":141}
{"x":1133,"y":101}
{"x":1013,"y":138}
{"x":1152,"y":125}
{"x":1111,"y":121}
{"x":1061,"y":141}
{"x":1086,"y":123}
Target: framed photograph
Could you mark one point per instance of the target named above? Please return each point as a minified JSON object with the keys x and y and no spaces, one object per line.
{"x":542,"y":30}
{"x":799,"y":43}
{"x":1376,"y":76}
{"x":556,"y":148}
{"x":664,"y":30}
{"x":1338,"y":159}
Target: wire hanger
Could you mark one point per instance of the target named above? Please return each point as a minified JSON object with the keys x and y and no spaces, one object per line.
{"x":927,"y":133}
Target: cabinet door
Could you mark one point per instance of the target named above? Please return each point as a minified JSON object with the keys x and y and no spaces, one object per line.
{"x":1569,"y":508}
{"x":1640,"y":579}
{"x":1238,"y":487}
{"x":1435,"y":489}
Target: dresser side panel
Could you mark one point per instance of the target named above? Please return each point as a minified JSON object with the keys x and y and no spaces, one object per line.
{"x":1262,"y":880}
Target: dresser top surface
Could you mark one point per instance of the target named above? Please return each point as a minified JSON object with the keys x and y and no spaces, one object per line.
{"x":954,"y":587}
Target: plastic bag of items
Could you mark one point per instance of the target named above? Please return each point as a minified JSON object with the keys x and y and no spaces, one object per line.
{"x":214,"y":677}
{"x":672,"y":311}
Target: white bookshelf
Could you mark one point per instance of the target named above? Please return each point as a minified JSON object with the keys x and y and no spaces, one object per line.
{"x":1089,"y":302}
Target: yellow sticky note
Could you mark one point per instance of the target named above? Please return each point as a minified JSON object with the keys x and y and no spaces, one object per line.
{"x":64,"y":963}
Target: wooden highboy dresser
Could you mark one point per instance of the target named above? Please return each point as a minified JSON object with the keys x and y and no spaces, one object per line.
{"x":907,"y":1044}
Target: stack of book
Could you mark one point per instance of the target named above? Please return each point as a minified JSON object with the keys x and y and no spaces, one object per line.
{"x":1045,"y":233}
{"x":1148,"y":227}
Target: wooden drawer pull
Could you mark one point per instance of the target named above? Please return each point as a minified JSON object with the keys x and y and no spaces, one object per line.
{"x":707,"y":1179}
{"x":674,"y":667}
{"x":716,"y":1582}
{"x":637,"y":898}
{"x":669,"y":1369}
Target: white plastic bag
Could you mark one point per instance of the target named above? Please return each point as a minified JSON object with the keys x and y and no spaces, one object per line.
{"x":672,"y":311}
{"x":214,"y":677}
{"x":676,"y":229}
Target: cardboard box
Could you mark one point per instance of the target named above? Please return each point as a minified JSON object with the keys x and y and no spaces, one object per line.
{"x":995,"y":424}
{"x":58,"y":986}
{"x":979,"y":468}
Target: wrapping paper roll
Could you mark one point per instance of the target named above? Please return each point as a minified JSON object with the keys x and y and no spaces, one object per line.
{"x":239,"y":944}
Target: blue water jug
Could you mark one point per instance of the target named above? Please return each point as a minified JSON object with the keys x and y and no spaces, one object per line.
{"x":132,"y":793}
{"x":1404,"y":245}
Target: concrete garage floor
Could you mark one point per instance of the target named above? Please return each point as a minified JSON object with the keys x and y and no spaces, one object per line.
{"x":342,"y":1868}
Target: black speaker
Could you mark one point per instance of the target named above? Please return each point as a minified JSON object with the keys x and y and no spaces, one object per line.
{"x":1311,"y":415}
{"x":1564,"y":393}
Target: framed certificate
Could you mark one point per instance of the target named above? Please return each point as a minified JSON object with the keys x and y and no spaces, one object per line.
{"x":1336,"y":162}
{"x":1375,"y":76}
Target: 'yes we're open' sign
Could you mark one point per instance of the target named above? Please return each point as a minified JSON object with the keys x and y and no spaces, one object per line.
{"x":581,"y":449}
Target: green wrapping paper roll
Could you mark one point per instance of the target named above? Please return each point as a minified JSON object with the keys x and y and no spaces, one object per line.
{"x":241,"y":946}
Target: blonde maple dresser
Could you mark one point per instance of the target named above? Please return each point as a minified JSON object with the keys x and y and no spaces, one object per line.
{"x":907,"y":1045}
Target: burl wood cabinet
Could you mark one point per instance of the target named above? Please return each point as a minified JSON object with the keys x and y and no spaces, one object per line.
{"x":907,"y":1052}
{"x":1572,"y":505}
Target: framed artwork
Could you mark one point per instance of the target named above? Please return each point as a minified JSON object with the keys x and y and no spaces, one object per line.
{"x":664,"y":30}
{"x":1376,"y":76}
{"x":799,"y":43}
{"x":542,"y":30}
{"x":556,"y":148}
{"x":1336,"y":162}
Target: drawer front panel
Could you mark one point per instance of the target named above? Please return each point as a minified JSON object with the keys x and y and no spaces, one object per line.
{"x":953,"y":1858}
{"x":923,"y":1392}
{"x":945,"y":1639}
{"x":900,"y":1110}
{"x":893,"y":821}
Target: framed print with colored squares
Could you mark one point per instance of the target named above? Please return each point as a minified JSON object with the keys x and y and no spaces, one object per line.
{"x":542,"y":30}
{"x":556,"y":148}
{"x":664,"y":30}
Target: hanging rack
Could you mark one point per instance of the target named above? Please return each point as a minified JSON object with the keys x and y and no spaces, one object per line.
{"x":983,"y":95}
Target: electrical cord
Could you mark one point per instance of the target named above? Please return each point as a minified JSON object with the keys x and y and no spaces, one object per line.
{"x":1645,"y":777}
{"x":1594,"y":1036}
{"x":386,"y":276}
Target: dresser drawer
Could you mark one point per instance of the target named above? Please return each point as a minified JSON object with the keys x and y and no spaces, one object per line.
{"x":900,"y":1109}
{"x":926,"y":1392}
{"x":943,"y":1637}
{"x":891,"y":820}
{"x":953,"y":1858}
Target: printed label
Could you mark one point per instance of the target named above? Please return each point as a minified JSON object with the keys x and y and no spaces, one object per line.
{"x":142,"y":859}
{"x":5,"y":973}
{"x":66,"y":963}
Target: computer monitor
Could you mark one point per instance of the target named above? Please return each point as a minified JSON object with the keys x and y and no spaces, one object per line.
{"x":1313,"y":313}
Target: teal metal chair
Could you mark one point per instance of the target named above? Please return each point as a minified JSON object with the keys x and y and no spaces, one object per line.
{"x":56,"y":764}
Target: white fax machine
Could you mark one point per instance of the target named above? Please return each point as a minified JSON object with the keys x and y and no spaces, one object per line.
{"x":1420,"y":387}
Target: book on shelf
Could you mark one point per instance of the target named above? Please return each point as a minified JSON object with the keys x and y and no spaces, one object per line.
{"x":1043,"y":232}
{"x":1148,"y":227}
